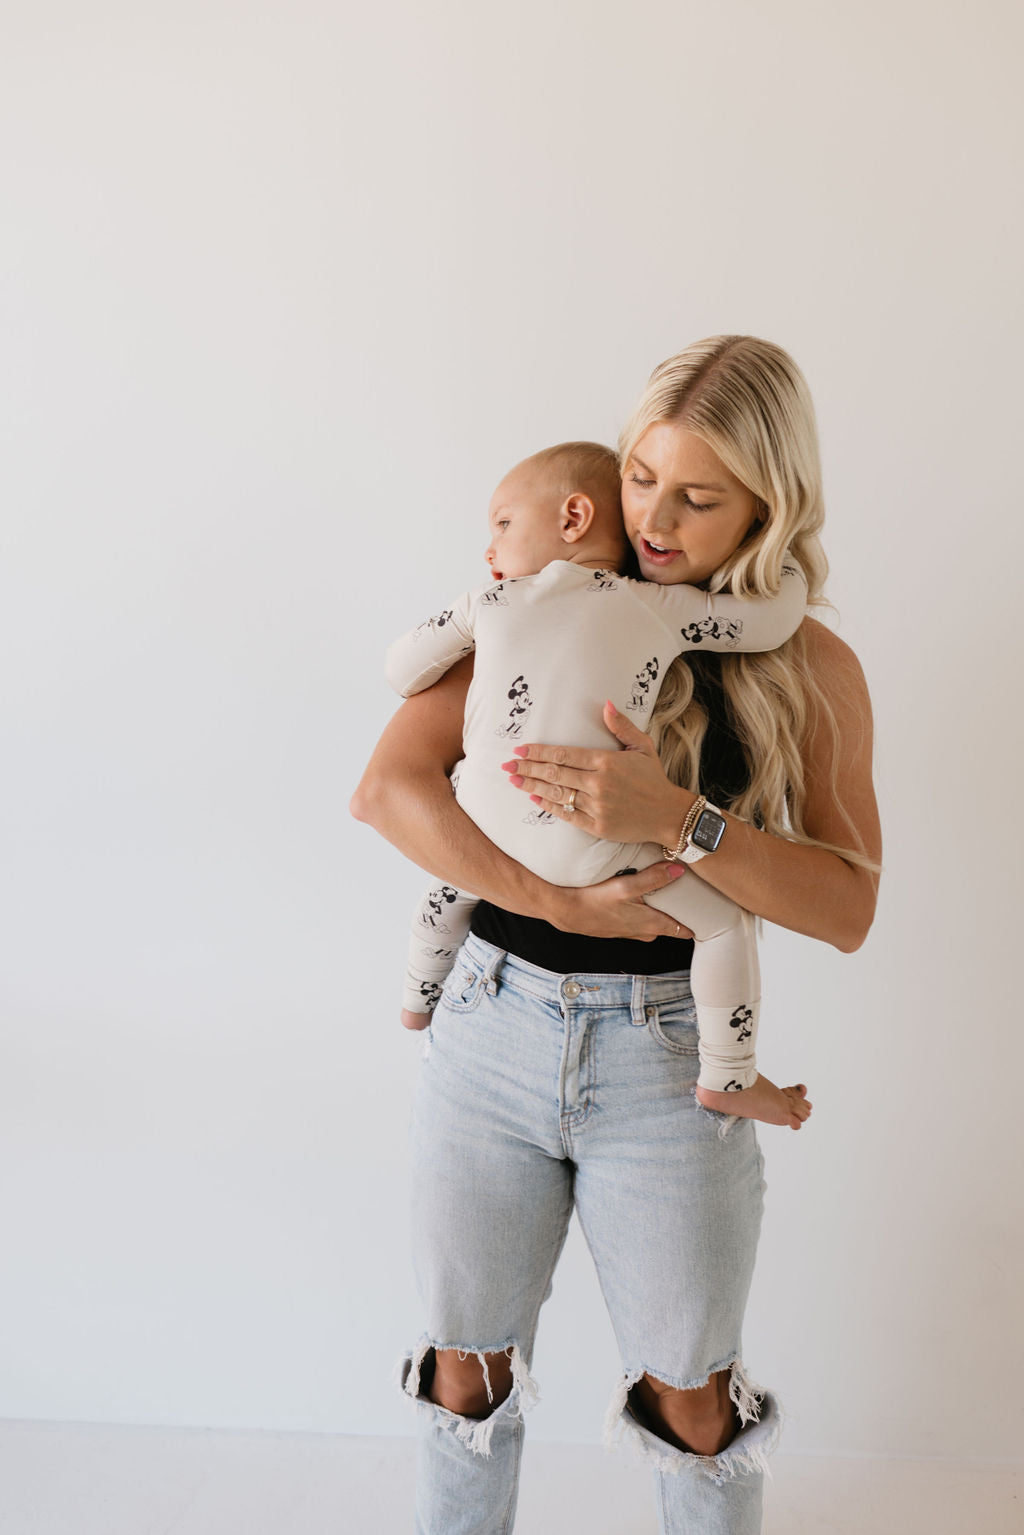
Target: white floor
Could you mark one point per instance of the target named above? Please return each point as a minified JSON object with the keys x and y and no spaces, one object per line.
{"x":69,"y":1479}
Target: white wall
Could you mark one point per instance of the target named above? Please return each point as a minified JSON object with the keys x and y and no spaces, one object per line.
{"x":286,"y":289}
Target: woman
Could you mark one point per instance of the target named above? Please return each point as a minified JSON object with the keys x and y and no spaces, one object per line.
{"x":562,"y":1059}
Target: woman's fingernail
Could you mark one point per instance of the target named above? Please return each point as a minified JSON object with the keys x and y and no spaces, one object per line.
{"x":516,"y":781}
{"x":520,"y":751}
{"x":535,"y":798}
{"x":675,"y":871}
{"x":609,"y":705}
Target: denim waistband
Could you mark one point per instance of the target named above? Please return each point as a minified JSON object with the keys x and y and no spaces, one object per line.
{"x":591,"y":990}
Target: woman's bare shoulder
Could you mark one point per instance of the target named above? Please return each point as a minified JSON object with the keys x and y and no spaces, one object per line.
{"x":839,"y":673}
{"x":825,"y":645}
{"x":832,"y":655}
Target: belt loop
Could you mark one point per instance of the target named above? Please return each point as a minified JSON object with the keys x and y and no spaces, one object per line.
{"x":493,"y":970}
{"x":636,"y":1004}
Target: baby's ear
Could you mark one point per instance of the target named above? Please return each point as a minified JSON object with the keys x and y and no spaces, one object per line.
{"x":576,"y":516}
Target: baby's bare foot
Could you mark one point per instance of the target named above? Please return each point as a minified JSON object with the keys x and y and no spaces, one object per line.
{"x":420,"y":1021}
{"x":764,"y":1101}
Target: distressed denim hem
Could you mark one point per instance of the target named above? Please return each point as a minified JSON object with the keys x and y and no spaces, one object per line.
{"x":474,"y":1433}
{"x":748,"y":1453}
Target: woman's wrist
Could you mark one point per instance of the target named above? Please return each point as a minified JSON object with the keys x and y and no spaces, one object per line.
{"x":671,"y":819}
{"x":556,"y":907}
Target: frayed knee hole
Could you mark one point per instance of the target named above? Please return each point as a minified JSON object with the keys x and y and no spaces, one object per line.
{"x":471,"y":1384}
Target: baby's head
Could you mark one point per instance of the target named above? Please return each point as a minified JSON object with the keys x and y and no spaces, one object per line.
{"x":561,"y":504}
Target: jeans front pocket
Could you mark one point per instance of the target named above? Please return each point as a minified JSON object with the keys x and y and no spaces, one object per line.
{"x":463,"y":988}
{"x":674,"y":1026}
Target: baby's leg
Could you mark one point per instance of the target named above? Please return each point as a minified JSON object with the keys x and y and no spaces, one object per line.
{"x":439,"y":925}
{"x":726,"y":982}
{"x":725,"y":978}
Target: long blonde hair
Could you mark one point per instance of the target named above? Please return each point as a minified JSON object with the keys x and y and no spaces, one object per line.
{"x":749,"y":402}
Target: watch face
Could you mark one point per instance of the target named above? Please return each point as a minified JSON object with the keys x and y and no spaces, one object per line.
{"x":709,"y":831}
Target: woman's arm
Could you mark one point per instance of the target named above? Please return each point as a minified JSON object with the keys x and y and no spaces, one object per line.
{"x":625,"y":796}
{"x":806,"y":888}
{"x":406,"y":795}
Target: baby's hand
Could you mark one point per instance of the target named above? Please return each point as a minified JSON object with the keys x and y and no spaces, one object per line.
{"x":414,"y":1020}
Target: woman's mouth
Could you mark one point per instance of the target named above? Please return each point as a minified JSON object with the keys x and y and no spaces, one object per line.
{"x":656,"y":554}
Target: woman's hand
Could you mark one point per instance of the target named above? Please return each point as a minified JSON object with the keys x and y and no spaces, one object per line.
{"x":623,"y":796}
{"x":616,"y":908}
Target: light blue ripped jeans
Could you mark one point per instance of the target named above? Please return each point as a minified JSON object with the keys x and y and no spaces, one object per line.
{"x":539,"y":1093}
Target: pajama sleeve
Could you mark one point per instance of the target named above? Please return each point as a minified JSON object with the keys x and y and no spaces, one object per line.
{"x":423,"y":655}
{"x":719,"y":621}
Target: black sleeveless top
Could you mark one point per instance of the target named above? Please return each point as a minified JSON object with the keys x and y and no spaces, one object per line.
{"x":723,"y":777}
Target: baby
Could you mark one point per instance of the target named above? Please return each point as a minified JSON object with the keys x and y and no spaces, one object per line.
{"x":557,"y":633}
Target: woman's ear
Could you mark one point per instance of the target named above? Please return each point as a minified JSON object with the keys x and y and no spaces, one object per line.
{"x":576,"y":517}
{"x":760,"y":521}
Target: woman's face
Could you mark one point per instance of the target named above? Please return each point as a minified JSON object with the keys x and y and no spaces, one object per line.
{"x":684,"y":512}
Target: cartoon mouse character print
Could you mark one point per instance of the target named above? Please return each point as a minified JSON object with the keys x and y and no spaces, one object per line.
{"x":522,"y":703}
{"x":430,"y":991}
{"x":713,"y":628}
{"x":426,"y":952}
{"x":494,"y":597}
{"x":741,"y":1020}
{"x":603,"y":582}
{"x":437,"y":899}
{"x":439,"y":621}
{"x":538,"y":817}
{"x":644,"y":680}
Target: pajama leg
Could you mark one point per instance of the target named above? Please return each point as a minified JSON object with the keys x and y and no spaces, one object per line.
{"x":725,"y":978}
{"x":439,"y":925}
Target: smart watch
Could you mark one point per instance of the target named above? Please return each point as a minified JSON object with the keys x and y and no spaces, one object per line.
{"x":705,"y":836}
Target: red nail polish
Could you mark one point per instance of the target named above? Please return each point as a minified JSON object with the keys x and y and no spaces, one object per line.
{"x":520,"y":751}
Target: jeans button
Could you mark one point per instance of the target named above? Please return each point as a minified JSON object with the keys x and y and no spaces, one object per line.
{"x":572,"y":988}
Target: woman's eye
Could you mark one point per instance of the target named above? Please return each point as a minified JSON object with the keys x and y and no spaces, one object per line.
{"x":694,"y":506}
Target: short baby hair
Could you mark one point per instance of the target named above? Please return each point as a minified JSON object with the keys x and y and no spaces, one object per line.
{"x":589,"y":467}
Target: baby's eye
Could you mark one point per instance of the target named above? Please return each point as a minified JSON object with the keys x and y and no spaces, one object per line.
{"x":644,"y":484}
{"x":502,"y":525}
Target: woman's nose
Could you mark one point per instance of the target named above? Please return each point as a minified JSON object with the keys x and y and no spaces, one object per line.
{"x":660,"y":518}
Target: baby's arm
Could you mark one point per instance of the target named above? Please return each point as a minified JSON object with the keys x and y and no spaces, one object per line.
{"x":423,"y":655}
{"x":718,"y":621}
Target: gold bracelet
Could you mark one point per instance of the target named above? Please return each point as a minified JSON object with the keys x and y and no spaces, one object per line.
{"x":693,"y":815}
